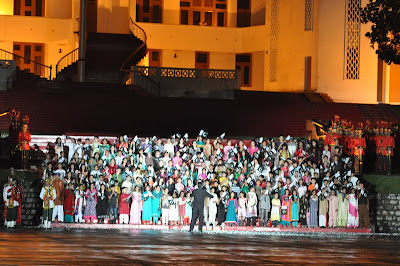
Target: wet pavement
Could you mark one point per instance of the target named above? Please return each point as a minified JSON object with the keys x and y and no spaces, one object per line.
{"x":22,"y":246}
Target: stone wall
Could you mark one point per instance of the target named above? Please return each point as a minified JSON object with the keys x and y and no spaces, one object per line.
{"x":388,"y":213}
{"x":31,"y":207}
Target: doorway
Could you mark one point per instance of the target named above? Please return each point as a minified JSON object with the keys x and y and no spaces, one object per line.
{"x":91,"y":16}
{"x":30,"y":51}
{"x":202,"y":60}
{"x":307,"y":74}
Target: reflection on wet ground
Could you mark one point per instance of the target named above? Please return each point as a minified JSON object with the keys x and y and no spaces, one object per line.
{"x":112,"y":247}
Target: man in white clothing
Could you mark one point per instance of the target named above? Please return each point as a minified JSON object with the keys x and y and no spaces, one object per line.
{"x":10,"y":201}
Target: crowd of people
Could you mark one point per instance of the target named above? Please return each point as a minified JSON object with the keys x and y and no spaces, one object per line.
{"x":272,"y":182}
{"x":261,"y":182}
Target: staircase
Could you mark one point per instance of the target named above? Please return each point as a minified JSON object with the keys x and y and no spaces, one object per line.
{"x":107,"y":57}
{"x":24,"y":78}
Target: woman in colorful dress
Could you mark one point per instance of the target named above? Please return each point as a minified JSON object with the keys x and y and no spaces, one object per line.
{"x":343,"y":208}
{"x":232,"y":209}
{"x":156,"y":204}
{"x":352,"y":216}
{"x":275,"y":211}
{"x":313,"y":209}
{"x":69,"y":202}
{"x":294,"y":209}
{"x":284,"y":153}
{"x":285,"y":209}
{"x":91,"y":201}
{"x":136,"y":206}
{"x":147,"y":205}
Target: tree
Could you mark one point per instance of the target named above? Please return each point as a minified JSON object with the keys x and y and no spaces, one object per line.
{"x":385,"y":30}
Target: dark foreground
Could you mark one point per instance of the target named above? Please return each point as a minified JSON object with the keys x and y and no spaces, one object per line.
{"x":118,"y":247}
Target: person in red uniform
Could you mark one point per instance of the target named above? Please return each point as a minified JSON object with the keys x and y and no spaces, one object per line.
{"x":329,"y":140}
{"x":24,"y":138}
{"x":379,"y":151}
{"x":358,"y":147}
{"x":389,"y":145}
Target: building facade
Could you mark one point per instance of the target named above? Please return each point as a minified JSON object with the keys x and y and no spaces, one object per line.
{"x":279,"y":45}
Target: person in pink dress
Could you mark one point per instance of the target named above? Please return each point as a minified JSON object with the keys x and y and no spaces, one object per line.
{"x":242,"y":202}
{"x":177,"y":160}
{"x":91,"y":201}
{"x":333,"y":209}
{"x":253,"y":148}
{"x":181,"y":206}
{"x":136,"y":207}
{"x":226,"y":150}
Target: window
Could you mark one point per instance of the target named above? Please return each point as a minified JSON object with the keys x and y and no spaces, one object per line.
{"x":29,"y":7}
{"x":203,"y":12}
{"x":352,"y":39}
{"x":185,"y":17}
{"x":309,"y":15}
{"x":243,"y":63}
{"x":154,"y":58}
{"x":202,"y":60}
{"x":243,"y":13}
{"x":273,"y":59}
{"x":149,"y":11}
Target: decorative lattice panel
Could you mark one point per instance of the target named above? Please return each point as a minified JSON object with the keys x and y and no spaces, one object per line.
{"x":274,"y":40}
{"x":352,"y":39}
{"x":309,"y":15}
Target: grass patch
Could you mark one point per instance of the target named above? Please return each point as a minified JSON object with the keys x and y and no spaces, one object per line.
{"x":384,"y":184}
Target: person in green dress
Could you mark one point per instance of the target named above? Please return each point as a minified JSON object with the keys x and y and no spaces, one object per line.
{"x":232,"y":209}
{"x":295,"y":209}
{"x":156,"y":204}
{"x":343,"y":205}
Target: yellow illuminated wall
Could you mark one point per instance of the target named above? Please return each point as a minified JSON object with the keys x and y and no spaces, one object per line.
{"x":324,"y":44}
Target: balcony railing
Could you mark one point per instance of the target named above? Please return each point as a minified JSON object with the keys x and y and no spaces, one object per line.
{"x":139,"y":33}
{"x":27,"y":64}
{"x":67,"y":60}
{"x":186,"y":81}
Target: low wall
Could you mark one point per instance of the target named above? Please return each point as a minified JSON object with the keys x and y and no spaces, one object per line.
{"x":31,"y":207}
{"x":388,"y":213}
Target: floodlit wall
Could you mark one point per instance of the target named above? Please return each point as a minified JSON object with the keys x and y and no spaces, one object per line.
{"x":331,"y":58}
{"x":56,"y":34}
{"x":324,"y":43}
{"x":113,"y":16}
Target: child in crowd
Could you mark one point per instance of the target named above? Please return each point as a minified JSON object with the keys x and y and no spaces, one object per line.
{"x":181,"y":206}
{"x":276,"y":210}
{"x":173,"y":210}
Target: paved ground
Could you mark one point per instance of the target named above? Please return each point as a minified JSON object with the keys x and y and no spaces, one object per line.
{"x":122,"y":247}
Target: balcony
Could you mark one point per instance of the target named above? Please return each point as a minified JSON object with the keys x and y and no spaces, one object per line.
{"x":186,"y":82}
